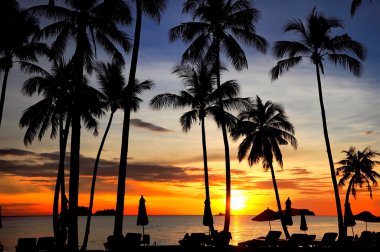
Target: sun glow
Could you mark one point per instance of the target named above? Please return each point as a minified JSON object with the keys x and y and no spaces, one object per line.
{"x":238,"y":201}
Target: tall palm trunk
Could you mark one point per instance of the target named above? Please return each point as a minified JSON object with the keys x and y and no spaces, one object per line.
{"x":3,"y":89}
{"x":227,"y":217}
{"x":60,"y":182}
{"x":284,"y":227}
{"x":118,"y":226}
{"x":78,"y":61}
{"x":341,"y":228}
{"x":205,"y":165}
{"x":95,"y":172}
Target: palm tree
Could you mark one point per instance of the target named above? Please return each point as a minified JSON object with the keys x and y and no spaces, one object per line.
{"x":357,"y":168}
{"x":54,"y":111}
{"x":355,"y":5}
{"x":153,"y":9}
{"x":112,"y":82}
{"x":265,"y":127}
{"x":89,"y":24}
{"x":16,"y":44}
{"x":200,"y":95}
{"x":317,"y":43}
{"x":215,"y":25}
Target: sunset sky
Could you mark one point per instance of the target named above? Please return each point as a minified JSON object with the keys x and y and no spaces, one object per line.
{"x":166,"y":163}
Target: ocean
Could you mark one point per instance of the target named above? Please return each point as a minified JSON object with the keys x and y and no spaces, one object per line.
{"x":166,"y":230}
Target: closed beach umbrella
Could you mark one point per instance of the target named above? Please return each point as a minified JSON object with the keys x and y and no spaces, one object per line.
{"x":142,"y":217}
{"x":267,"y":215}
{"x":207,"y":215}
{"x":288,"y":213}
{"x":366,"y":217}
{"x":349,"y":220}
{"x":303,"y":225}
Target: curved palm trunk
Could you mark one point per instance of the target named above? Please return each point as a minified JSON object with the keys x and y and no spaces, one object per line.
{"x":208,"y":201}
{"x":342,"y":230}
{"x":95,"y":172}
{"x":284,"y":227}
{"x":3,"y":89}
{"x":118,"y":226}
{"x":60,"y":182}
{"x":227,"y":217}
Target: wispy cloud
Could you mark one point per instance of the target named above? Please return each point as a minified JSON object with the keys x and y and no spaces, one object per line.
{"x":138,"y":123}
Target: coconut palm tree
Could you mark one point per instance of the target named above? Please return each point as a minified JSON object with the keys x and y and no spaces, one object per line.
{"x":16,"y":44}
{"x":154,"y":10}
{"x":215,"y":27}
{"x":265,"y":127}
{"x":355,"y":4}
{"x":54,"y":111}
{"x":88,"y":23}
{"x":200,"y":95}
{"x":112,"y":82}
{"x":357,"y":168}
{"x":317,"y":43}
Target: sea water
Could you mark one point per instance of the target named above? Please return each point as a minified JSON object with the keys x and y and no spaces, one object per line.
{"x":167,"y":230}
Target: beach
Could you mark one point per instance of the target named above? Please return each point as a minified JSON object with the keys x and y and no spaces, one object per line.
{"x":165,"y":230}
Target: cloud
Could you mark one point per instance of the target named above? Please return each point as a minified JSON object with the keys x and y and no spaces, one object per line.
{"x":149,"y":126}
{"x":299,"y":171}
{"x":15,"y":152}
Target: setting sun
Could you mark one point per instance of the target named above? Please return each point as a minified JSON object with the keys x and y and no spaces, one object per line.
{"x":237,"y":201}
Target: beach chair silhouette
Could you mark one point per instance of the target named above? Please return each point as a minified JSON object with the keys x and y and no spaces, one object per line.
{"x":132,"y":240}
{"x":46,"y":244}
{"x":269,"y":241}
{"x":26,"y":245}
{"x":327,"y":241}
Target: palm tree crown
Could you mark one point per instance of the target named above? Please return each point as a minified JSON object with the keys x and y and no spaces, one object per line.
{"x":265,"y":127}
{"x":217,"y":25}
{"x":317,"y":43}
{"x":357,"y":168}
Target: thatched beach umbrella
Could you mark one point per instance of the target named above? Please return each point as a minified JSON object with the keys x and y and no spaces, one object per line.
{"x":366,"y":217}
{"x":142,"y":216}
{"x":288,"y":213}
{"x":267,"y":215}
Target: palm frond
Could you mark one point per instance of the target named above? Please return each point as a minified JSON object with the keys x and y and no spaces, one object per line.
{"x":283,"y":66}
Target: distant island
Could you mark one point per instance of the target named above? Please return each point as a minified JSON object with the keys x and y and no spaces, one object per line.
{"x":83,"y":211}
{"x":106,"y":212}
{"x":296,"y":211}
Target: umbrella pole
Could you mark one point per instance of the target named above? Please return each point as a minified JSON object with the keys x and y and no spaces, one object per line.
{"x":270,"y":228}
{"x":366,"y":226}
{"x":352,"y":228}
{"x":143,"y":231}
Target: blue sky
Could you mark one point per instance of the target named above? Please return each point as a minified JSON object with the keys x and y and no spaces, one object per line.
{"x":352,"y":104}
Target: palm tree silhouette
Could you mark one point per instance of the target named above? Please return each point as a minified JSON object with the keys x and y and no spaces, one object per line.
{"x":152,"y":9}
{"x":215,"y":25}
{"x":203,"y":99}
{"x":355,"y":4}
{"x":16,"y":44}
{"x":357,"y":168}
{"x":88,"y":24}
{"x":317,"y":43}
{"x":112,"y":82}
{"x":54,"y":111}
{"x":265,"y":127}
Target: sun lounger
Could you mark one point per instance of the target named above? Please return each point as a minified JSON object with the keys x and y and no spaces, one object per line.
{"x":46,"y":244}
{"x":145,"y":240}
{"x":114,"y":243}
{"x":196,"y":240}
{"x":26,"y":245}
{"x":132,"y":240}
{"x":269,"y":241}
{"x":327,"y":241}
{"x":366,"y":240}
{"x":300,"y":240}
